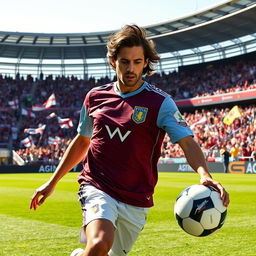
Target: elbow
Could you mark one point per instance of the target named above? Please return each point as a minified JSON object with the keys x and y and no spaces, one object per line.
{"x":82,"y":141}
{"x":187,"y":143}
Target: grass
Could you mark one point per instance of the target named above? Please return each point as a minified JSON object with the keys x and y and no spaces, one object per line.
{"x":53,"y":230}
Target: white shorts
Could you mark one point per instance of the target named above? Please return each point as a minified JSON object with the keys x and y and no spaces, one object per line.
{"x":128,"y":220}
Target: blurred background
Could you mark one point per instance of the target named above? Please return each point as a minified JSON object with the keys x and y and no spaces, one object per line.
{"x":52,"y":54}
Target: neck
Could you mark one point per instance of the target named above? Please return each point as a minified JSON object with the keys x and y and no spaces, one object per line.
{"x":126,"y":88}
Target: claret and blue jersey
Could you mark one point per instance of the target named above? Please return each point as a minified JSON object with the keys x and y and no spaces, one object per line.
{"x":126,"y":133}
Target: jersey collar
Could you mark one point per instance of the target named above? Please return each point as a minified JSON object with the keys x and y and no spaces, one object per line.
{"x":125,"y":95}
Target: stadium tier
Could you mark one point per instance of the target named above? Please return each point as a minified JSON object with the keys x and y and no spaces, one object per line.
{"x":206,"y":70}
{"x":217,"y":32}
{"x":42,"y":136}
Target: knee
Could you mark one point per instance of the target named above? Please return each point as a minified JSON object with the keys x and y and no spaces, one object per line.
{"x":99,"y":246}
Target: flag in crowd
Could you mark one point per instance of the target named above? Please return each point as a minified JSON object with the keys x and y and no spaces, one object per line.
{"x":65,"y":123}
{"x":203,"y":120}
{"x":38,"y":108}
{"x":232,"y":115}
{"x":54,"y":140}
{"x":14,"y":104}
{"x":52,"y":115}
{"x":27,"y":142}
{"x":51,"y":101}
{"x":40,"y":129}
{"x":27,"y":113}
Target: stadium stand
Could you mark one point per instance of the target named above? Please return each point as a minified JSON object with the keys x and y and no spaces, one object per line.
{"x":195,"y":63}
{"x":210,"y":80}
{"x":212,"y":134}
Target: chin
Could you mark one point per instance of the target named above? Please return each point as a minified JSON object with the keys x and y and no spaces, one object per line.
{"x":130,"y":84}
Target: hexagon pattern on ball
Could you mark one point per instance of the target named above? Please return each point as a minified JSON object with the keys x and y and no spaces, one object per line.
{"x":199,"y":210}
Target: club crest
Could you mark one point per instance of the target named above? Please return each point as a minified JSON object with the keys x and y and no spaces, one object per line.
{"x":179,"y":118}
{"x":139,"y":114}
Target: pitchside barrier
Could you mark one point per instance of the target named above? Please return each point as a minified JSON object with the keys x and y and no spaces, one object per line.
{"x":240,"y":167}
{"x":34,"y":168}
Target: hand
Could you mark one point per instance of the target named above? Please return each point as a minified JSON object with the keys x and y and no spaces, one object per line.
{"x":223,"y":193}
{"x":40,"y":195}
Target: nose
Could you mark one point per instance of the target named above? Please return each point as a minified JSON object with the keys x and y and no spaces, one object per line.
{"x":130,"y":67}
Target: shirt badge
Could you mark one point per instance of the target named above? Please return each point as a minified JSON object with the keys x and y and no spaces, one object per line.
{"x":139,"y":114}
{"x":179,"y":118}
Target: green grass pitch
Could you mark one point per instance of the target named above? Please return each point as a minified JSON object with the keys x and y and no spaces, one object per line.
{"x":53,"y":229}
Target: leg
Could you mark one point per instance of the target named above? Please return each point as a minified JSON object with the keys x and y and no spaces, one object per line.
{"x":100,"y":237}
{"x":226,"y":167}
{"x":99,"y":217}
{"x":130,"y":223}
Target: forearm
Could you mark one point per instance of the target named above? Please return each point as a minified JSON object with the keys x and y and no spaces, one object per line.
{"x":73,"y":155}
{"x":195,"y":157}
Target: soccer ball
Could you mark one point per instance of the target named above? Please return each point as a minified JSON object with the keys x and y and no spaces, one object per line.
{"x":199,"y":210}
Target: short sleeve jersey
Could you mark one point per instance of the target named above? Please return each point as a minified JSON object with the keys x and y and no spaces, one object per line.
{"x":127,"y":131}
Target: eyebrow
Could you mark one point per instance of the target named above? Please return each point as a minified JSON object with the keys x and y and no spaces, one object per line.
{"x":131,"y":60}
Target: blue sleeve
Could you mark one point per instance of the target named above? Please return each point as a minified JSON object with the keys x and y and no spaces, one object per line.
{"x":85,"y":123}
{"x":171,"y":120}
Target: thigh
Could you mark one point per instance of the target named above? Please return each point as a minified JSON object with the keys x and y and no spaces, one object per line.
{"x":100,"y":230}
{"x":96,"y":205}
{"x":130,"y":222}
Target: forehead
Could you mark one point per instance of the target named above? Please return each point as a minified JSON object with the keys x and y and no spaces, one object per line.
{"x":131,"y":53}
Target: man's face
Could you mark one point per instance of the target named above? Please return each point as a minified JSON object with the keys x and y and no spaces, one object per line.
{"x":129,"y":67}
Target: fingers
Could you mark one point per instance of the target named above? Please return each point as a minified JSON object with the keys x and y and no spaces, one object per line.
{"x":40,"y":195}
{"x":223,"y":193}
{"x":35,"y":200}
{"x":41,"y":201}
{"x":33,"y":203}
{"x":224,"y":196}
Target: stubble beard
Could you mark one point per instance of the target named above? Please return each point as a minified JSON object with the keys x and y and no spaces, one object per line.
{"x":132,"y":83}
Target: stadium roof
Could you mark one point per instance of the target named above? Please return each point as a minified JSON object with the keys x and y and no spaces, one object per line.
{"x":225,"y":22}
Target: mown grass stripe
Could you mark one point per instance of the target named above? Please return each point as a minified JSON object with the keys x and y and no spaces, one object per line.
{"x":53,"y":229}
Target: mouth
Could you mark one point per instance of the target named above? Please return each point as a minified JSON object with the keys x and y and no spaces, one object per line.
{"x":130,"y":76}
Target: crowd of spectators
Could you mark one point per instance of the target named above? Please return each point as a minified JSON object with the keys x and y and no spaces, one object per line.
{"x":214,"y":136}
{"x":46,"y":153}
{"x":210,"y":80}
{"x":70,"y":91}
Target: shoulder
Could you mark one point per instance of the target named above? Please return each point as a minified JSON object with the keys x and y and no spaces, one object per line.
{"x":157,"y":91}
{"x":96,"y":92}
{"x":162,"y":98}
{"x":101,"y":88}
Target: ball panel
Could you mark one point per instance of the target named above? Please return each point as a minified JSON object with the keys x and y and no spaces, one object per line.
{"x":199,"y":206}
{"x":222,"y":218}
{"x":199,"y":210}
{"x":210,"y":218}
{"x":183,"y":206}
{"x":211,"y":188}
{"x":199,"y":191}
{"x":179,"y":220}
{"x":192,"y":227}
{"x":184,"y":193}
{"x":208,"y":232}
{"x":218,"y":203}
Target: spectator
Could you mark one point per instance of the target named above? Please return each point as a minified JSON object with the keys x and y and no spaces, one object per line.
{"x":226,"y":155}
{"x":210,"y":80}
{"x":253,"y":155}
{"x":234,"y":152}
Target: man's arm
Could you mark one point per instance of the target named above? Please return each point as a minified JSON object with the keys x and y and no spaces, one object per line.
{"x":73,"y":155}
{"x":196,"y":160}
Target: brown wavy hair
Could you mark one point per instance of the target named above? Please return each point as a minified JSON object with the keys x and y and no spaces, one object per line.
{"x":129,"y":36}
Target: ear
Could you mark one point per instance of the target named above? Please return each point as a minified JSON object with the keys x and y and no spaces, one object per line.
{"x":146,"y":62}
{"x":112,"y":62}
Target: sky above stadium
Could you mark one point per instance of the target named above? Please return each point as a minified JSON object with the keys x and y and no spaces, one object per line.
{"x":78,"y":16}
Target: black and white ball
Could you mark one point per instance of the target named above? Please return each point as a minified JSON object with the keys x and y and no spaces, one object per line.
{"x":199,"y":210}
